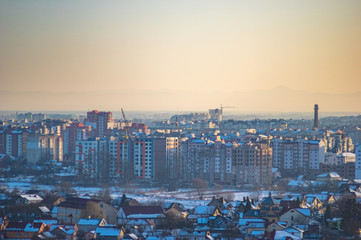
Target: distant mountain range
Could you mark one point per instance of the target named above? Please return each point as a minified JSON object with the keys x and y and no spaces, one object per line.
{"x":279,"y":99}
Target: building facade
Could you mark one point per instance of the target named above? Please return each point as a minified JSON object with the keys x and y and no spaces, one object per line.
{"x":252,"y":163}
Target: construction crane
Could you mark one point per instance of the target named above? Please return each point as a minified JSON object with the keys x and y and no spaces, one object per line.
{"x":129,"y":135}
{"x":128,"y":164}
{"x":225,"y":107}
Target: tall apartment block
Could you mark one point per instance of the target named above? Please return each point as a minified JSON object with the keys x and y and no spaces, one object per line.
{"x":113,"y":160}
{"x":209,"y":160}
{"x":252,"y":163}
{"x":13,"y":142}
{"x":216,"y":114}
{"x":101,"y":123}
{"x":44,"y":148}
{"x":156,"y":157}
{"x":358,"y":162}
{"x":89,"y":158}
{"x":73,"y":133}
{"x":300,"y":156}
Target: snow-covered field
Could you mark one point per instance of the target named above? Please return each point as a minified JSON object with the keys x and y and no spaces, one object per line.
{"x":188,"y":197}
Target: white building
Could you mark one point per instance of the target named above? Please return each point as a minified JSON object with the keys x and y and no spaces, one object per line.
{"x":358,"y":162}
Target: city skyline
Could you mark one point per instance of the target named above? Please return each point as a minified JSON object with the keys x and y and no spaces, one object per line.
{"x":180,"y":56}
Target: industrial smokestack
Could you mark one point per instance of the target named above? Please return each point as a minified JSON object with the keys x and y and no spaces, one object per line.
{"x":315,"y":120}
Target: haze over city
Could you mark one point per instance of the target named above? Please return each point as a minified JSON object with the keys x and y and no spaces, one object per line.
{"x":259,"y":56}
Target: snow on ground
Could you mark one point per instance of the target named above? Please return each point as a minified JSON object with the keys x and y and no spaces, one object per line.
{"x":188,"y":197}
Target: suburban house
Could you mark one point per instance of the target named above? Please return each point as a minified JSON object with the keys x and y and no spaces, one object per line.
{"x":153,"y":213}
{"x":28,"y":199}
{"x":67,"y":232}
{"x":297,"y":216}
{"x":73,"y":209}
{"x":23,"y":230}
{"x":110,"y":233}
{"x":90,"y":224}
{"x":203,"y":212}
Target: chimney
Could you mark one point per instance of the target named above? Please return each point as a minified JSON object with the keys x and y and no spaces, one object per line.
{"x":315,"y":120}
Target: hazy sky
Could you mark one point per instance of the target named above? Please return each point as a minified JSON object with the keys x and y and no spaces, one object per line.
{"x":180,"y":55}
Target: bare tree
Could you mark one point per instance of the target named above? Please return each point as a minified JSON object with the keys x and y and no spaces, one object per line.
{"x":93,"y":210}
{"x":200,"y":185}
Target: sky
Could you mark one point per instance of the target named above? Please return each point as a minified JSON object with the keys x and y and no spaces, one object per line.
{"x":259,"y":55}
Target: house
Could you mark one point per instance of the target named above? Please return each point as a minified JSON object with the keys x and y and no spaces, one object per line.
{"x":255,"y":234}
{"x":289,"y":204}
{"x":28,"y":199}
{"x":90,"y":224}
{"x":220,"y":202}
{"x":23,"y":230}
{"x":73,"y":209}
{"x":283,"y":235}
{"x":194,"y":235}
{"x":270,"y":207}
{"x":328,"y":177}
{"x":51,"y":200}
{"x":297,"y":216}
{"x":132,"y":236}
{"x":68,"y":232}
{"x":47,"y":221}
{"x":176,"y":215}
{"x":153,"y":213}
{"x":223,"y":225}
{"x":275,"y":226}
{"x":110,"y":233}
{"x":176,"y":210}
{"x":141,"y":225}
{"x":203,"y":212}
{"x":295,"y":231}
{"x":324,"y":197}
{"x":253,"y":213}
{"x":124,"y":201}
{"x":247,"y":225}
{"x":312,"y":201}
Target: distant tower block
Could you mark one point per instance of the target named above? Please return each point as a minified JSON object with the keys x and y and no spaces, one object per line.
{"x":315,"y":123}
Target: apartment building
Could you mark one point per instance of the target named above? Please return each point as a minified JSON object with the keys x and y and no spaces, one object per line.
{"x":358,"y":162}
{"x":42,"y":147}
{"x":209,"y":160}
{"x":13,"y":142}
{"x":75,"y":132}
{"x":101,"y":123}
{"x":252,"y":163}
{"x":113,"y":159}
{"x":299,"y":156}
{"x":89,"y":158}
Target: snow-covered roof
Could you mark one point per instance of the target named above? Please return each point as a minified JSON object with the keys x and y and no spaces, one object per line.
{"x":44,"y":209}
{"x":283,"y":235}
{"x":201,"y":210}
{"x":68,"y":230}
{"x":146,"y":216}
{"x":304,"y":211}
{"x":47,"y":221}
{"x":139,"y":222}
{"x":33,"y":227}
{"x":106,"y":231}
{"x":293,"y":229}
{"x":256,"y":233}
{"x":347,"y":154}
{"x":202,"y":220}
{"x":89,"y":221}
{"x":31,"y":197}
{"x":244,"y":221}
{"x":330,"y":174}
